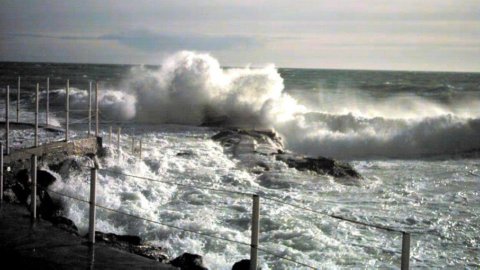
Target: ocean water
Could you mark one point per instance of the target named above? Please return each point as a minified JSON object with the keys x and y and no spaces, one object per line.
{"x":414,"y":136}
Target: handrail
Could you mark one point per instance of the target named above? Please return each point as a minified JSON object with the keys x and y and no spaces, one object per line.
{"x":179,"y":184}
{"x":381,"y":227}
{"x":263,"y":197}
{"x":176,"y":227}
{"x":100,"y":117}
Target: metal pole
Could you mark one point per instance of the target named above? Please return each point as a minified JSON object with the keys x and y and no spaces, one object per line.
{"x":36,"y":116}
{"x":110,"y":136}
{"x":96,"y":109}
{"x":91,"y":223}
{"x":118,"y":140}
{"x":90,"y":109}
{"x":67,"y":109}
{"x":255,"y":232}
{"x":1,"y":172}
{"x":48,"y":101}
{"x":405,"y":251}
{"x":33,"y":175}
{"x":18,"y":100}
{"x":7,"y":120}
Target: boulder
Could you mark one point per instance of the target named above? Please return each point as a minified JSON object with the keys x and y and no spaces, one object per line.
{"x":242,"y":265}
{"x":188,"y":261}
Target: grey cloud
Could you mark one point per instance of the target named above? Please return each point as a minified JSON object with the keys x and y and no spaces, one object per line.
{"x":155,"y":42}
{"x":151,"y":42}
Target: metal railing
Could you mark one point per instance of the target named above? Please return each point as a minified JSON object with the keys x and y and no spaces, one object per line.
{"x":255,"y":215}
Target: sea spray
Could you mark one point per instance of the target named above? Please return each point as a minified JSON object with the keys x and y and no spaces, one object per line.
{"x":190,"y":88}
{"x":438,"y":198}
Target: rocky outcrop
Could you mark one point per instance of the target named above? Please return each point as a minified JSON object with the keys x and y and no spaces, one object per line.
{"x":132,"y":244}
{"x":188,"y":261}
{"x":240,"y":141}
{"x":244,"y":144}
{"x":319,"y":165}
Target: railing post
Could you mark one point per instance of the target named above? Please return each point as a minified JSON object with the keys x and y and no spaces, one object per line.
{"x":47,"y":105}
{"x":33,"y":175}
{"x":1,"y":172}
{"x":405,"y":251}
{"x":7,"y":120}
{"x":96,"y":110}
{"x":67,"y":109}
{"x":18,"y":100}
{"x":118,"y":140}
{"x":90,"y":109}
{"x":91,"y":222}
{"x":36,"y":116}
{"x":255,"y":232}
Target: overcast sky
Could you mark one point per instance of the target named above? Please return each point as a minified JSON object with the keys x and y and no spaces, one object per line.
{"x":348,"y":34}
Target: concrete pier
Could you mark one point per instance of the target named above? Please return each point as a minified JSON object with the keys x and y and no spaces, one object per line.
{"x":40,"y":245}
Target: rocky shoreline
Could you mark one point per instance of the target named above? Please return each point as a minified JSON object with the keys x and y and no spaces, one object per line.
{"x":246,"y":144}
{"x":18,"y":191}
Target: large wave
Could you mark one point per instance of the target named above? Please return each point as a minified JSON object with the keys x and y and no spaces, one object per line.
{"x":191,"y":88}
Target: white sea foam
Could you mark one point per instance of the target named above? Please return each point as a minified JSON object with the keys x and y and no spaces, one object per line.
{"x":191,"y":88}
{"x":439,"y":197}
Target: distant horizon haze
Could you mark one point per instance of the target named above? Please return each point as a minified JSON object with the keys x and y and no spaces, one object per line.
{"x":397,"y":35}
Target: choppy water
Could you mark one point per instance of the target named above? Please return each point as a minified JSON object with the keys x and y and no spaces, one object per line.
{"x":414,"y":136}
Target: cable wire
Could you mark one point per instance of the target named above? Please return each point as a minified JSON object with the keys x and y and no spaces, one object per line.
{"x":178,"y":184}
{"x":148,"y":220}
{"x":333,"y":215}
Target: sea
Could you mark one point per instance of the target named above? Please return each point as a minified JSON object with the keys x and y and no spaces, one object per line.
{"x":413,"y":136}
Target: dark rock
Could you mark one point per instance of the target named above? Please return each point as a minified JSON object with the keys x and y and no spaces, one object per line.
{"x":118,"y":239}
{"x":188,"y":261}
{"x":9,"y":196}
{"x":64,"y":223}
{"x":241,"y":143}
{"x":320,"y":165}
{"x":45,"y":178}
{"x":222,"y":134}
{"x":242,"y":265}
{"x":185,"y":154}
{"x":48,"y":207}
{"x":215,"y":121}
{"x":132,"y":244}
{"x":151,"y":252}
{"x":21,"y":188}
{"x":23,"y":176}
